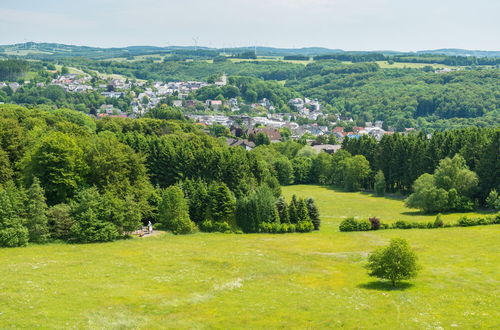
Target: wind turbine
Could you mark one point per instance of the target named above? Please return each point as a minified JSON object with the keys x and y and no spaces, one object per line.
{"x":195,"y":39}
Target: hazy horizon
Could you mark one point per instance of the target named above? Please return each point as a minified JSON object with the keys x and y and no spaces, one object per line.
{"x":337,"y":24}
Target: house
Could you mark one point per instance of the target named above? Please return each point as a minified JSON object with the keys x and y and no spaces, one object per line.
{"x":272,"y":133}
{"x":214,"y":104}
{"x":248,"y":145}
{"x":177,"y":103}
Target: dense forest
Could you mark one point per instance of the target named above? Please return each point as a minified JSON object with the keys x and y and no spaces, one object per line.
{"x":64,"y":175}
{"x":404,"y":97}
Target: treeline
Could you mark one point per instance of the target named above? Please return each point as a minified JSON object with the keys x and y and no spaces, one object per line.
{"x":404,"y":158}
{"x":12,"y":70}
{"x":397,"y":164}
{"x":446,"y":60}
{"x":410,"y":58}
{"x":64,"y":175}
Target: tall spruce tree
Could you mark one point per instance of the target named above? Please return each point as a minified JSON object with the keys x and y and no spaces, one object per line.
{"x":313,"y":213}
{"x":302,"y":214}
{"x":282,"y":210}
{"x":292,"y":210}
{"x":36,"y":213}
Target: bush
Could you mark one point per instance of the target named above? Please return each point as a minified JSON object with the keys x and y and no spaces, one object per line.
{"x":305,"y":226}
{"x":375,"y":223}
{"x":210,"y":226}
{"x":14,"y":236}
{"x":364,"y":225}
{"x":438,"y":223}
{"x":349,"y":224}
{"x":401,"y":224}
{"x":94,"y":231}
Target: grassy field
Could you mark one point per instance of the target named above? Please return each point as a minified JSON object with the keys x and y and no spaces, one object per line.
{"x":301,"y":281}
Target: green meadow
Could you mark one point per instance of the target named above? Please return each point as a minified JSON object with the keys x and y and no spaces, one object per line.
{"x":314,"y":280}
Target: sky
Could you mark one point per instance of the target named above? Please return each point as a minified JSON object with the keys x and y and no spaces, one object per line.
{"x":340,"y":24}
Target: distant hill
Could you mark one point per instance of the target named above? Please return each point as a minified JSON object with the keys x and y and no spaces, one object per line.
{"x":55,"y":50}
{"x":461,"y":52}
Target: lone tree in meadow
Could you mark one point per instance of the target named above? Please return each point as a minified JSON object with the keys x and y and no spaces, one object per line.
{"x":395,"y":262}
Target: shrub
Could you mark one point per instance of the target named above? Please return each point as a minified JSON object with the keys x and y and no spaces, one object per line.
{"x":210,"y":226}
{"x":466,"y":222}
{"x":94,"y":231}
{"x":438,"y":223}
{"x":14,"y":236}
{"x":364,"y":225}
{"x":292,"y":228}
{"x":305,"y":226}
{"x":375,"y":223}
{"x":349,"y":224}
{"x":401,"y":224}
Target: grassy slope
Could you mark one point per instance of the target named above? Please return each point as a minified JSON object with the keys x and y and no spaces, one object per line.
{"x":255,"y":281}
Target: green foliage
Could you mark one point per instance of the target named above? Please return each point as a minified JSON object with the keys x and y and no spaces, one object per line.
{"x":210,"y":226}
{"x":12,"y":231}
{"x":313,"y":212}
{"x":349,"y":224}
{"x":395,"y":262}
{"x":13,"y":236}
{"x":58,"y":162}
{"x":90,"y":223}
{"x":260,"y":207}
{"x":261,"y":139}
{"x":438,"y":223}
{"x":173,"y":211}
{"x":6,"y":171}
{"x":60,"y":221}
{"x":36,"y":213}
{"x":284,"y":171}
{"x":196,"y":193}
{"x":12,"y":70}
{"x":493,"y":200}
{"x":448,"y":189}
{"x":380,"y":183}
{"x":282,"y":209}
{"x":221,"y":204}
{"x":355,"y":170}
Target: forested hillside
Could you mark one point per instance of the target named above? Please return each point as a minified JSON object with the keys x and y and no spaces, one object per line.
{"x":64,"y":175}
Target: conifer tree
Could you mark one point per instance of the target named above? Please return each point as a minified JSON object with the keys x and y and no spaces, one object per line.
{"x":302,"y":214}
{"x":36,"y":214}
{"x":313,"y":213}
{"x":282,"y":210}
{"x":292,"y":210}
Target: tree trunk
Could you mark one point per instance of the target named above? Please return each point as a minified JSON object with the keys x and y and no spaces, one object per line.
{"x":393,"y":283}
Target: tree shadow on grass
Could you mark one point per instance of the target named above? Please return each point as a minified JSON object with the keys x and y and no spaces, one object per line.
{"x":385,"y":286}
